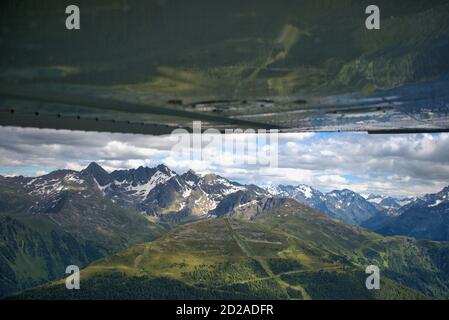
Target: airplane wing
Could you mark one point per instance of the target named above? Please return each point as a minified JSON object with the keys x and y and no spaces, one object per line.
{"x":296,"y":66}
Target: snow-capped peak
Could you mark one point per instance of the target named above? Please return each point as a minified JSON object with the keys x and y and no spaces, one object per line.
{"x":306,"y":190}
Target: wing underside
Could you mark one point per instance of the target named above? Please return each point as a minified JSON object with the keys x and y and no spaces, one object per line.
{"x":154,"y":66}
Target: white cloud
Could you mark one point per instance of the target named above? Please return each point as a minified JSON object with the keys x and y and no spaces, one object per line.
{"x":389,"y":164}
{"x":332,"y":179}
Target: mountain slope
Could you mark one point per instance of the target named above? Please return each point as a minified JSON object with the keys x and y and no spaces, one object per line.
{"x":162,"y":193}
{"x":35,"y":250}
{"x":425,"y":218}
{"x":345,"y":205}
{"x":285,"y":253}
{"x":350,"y":207}
{"x":97,"y":213}
{"x":302,"y":193}
{"x":389,"y":204}
{"x":56,"y":220}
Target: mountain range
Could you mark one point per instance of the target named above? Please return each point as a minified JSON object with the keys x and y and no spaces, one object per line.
{"x":77,"y":217}
{"x":59,"y":219}
{"x":390,"y":204}
{"x":162,"y":195}
{"x":345,"y":205}
{"x":426,"y":217}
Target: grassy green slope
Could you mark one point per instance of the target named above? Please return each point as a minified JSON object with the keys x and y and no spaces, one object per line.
{"x":421,"y":265}
{"x":36,"y":248}
{"x":290,"y":253}
{"x":34,"y":253}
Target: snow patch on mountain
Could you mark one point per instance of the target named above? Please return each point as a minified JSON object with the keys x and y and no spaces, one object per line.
{"x":144,"y":189}
{"x":306,"y":190}
{"x":437,"y":203}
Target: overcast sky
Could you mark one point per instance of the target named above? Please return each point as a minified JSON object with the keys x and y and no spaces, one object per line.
{"x":398,"y":165}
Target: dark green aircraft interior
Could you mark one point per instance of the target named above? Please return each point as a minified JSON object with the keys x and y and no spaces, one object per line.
{"x":294,"y":65}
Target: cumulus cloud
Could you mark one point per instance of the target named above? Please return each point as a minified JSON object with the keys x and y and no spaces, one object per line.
{"x":397,"y":165}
